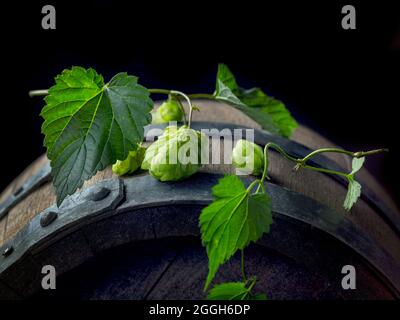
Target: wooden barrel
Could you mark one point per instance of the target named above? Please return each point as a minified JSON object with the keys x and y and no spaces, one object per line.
{"x":138,"y":238}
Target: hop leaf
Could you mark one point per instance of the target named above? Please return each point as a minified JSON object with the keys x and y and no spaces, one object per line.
{"x":233,"y":291}
{"x":353,"y":193}
{"x":354,"y":188}
{"x":270,"y":113}
{"x":228,"y":291}
{"x":232,"y":221}
{"x":89,"y":125}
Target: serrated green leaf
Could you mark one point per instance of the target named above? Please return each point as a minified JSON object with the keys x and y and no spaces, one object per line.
{"x":233,"y":291}
{"x":356,"y":165}
{"x":232,"y":221}
{"x":258,"y":296}
{"x":354,"y":188}
{"x":353,"y":193}
{"x":255,"y":98}
{"x":270,"y":113}
{"x":89,"y":125}
{"x":226,"y":77}
{"x":263,"y":118}
{"x":228,"y":291}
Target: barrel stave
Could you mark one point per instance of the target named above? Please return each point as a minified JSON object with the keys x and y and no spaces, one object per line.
{"x":313,"y":256}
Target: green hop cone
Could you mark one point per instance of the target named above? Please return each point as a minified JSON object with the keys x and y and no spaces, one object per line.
{"x":170,"y":110}
{"x":248,"y":157}
{"x":131,"y":163}
{"x":177,"y":154}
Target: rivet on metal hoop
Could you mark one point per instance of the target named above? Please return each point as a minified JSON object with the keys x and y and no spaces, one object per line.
{"x":99,"y":195}
{"x":7,"y":251}
{"x":47,"y":218}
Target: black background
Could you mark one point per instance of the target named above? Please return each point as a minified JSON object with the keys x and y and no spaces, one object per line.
{"x":342,"y":83}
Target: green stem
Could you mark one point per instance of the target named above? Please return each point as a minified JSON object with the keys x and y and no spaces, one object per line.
{"x":358,"y":154}
{"x":252,"y":185}
{"x":43,"y":92}
{"x":361,"y":154}
{"x":160,"y":91}
{"x":252,"y":283}
{"x":243,"y":266}
{"x":326,"y":170}
{"x":281,"y":151}
{"x":175,"y":92}
{"x":189,"y":103}
{"x":201,"y":96}
{"x":182,"y":109}
{"x":264,"y":174}
{"x":302,"y":162}
{"x":38,"y":93}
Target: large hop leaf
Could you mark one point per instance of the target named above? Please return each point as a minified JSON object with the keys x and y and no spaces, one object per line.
{"x":233,"y":220}
{"x":89,"y":125}
{"x":270,"y":113}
